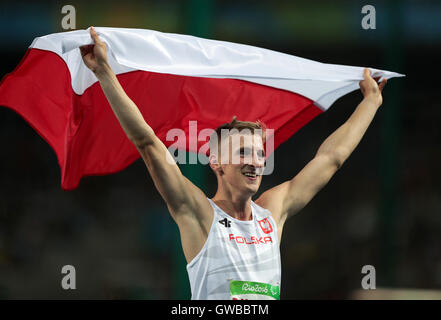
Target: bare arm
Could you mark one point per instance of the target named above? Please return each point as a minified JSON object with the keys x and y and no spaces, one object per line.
{"x":291,"y":196}
{"x":187,"y":204}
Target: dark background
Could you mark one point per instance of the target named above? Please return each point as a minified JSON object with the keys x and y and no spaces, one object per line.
{"x":383,"y":208}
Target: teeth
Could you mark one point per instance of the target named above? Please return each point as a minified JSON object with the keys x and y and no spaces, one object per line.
{"x":248,"y":174}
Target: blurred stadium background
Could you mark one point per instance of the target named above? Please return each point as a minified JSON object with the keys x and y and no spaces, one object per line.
{"x":383,"y":208}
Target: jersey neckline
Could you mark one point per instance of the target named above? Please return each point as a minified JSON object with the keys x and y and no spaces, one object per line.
{"x":253,"y":213}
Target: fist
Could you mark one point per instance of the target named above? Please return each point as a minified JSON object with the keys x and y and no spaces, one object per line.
{"x":95,"y":55}
{"x":370,"y":88}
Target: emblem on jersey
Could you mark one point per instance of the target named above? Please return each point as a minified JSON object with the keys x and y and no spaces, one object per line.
{"x":225,"y":222}
{"x":266,"y":226}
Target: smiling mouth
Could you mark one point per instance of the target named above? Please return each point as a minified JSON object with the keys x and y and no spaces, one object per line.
{"x":250,"y":175}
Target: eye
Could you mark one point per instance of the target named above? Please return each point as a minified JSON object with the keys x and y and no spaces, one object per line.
{"x":261,"y":154}
{"x":245,"y":151}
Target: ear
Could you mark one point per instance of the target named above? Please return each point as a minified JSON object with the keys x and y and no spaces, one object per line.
{"x":214,"y":163}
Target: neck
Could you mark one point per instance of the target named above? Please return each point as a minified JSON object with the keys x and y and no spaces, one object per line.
{"x":236,"y":205}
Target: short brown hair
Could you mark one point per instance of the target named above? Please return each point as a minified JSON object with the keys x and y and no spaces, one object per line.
{"x":239,"y":126}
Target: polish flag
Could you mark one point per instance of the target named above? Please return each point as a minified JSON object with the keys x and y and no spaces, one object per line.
{"x":173,"y":79}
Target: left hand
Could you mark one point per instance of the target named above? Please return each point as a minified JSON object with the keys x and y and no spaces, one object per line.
{"x":370,"y":88}
{"x":95,"y":55}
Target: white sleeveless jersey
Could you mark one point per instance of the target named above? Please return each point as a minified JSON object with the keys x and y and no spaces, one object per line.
{"x":240,"y":260}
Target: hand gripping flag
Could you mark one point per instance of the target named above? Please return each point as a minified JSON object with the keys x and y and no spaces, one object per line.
{"x":173,"y":79}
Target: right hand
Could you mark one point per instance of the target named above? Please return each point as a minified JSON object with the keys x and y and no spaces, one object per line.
{"x":370,"y":88}
{"x":95,"y":55}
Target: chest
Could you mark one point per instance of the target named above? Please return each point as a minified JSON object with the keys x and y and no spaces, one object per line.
{"x":243,"y":240}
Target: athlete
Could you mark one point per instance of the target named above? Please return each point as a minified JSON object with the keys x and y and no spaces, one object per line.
{"x":230,"y":242}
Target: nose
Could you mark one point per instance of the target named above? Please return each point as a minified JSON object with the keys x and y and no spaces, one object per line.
{"x":257,"y":160}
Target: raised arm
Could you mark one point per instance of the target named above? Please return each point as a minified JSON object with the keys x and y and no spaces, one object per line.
{"x":187,"y":204}
{"x":289,"y":197}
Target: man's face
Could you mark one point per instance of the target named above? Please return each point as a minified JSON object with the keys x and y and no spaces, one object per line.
{"x":242,"y":161}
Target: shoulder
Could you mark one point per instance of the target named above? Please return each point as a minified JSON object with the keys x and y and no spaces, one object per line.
{"x":272,"y":199}
{"x":260,"y":211}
